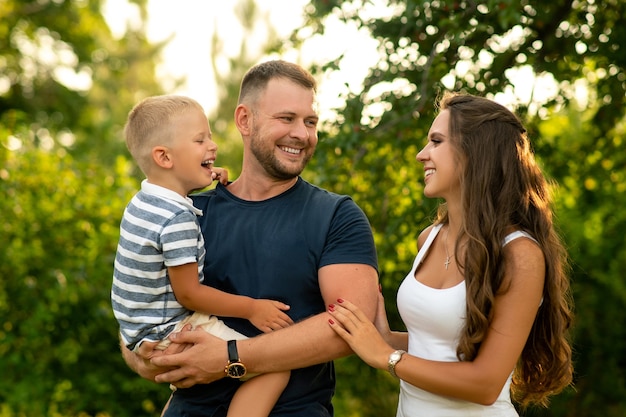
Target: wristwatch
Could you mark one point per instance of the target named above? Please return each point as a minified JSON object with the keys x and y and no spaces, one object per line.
{"x":234,"y":368}
{"x":394,"y":358}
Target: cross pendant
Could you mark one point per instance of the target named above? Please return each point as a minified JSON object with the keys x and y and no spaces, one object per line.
{"x":447,"y":262}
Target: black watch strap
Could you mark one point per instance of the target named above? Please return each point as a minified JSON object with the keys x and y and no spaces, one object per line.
{"x":233,"y":355}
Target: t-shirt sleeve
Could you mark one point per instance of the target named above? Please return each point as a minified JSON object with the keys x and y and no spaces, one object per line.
{"x":179,"y":239}
{"x":350,"y":238}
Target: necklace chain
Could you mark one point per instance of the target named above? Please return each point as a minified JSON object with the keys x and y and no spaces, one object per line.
{"x":445,"y":245}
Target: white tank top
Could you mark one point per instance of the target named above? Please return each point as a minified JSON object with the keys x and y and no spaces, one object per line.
{"x":434,"y":319}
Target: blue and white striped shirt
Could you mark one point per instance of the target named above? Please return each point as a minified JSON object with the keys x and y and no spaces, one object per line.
{"x":159,"y":229}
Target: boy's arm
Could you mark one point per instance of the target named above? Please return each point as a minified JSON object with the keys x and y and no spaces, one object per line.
{"x":266,"y":315}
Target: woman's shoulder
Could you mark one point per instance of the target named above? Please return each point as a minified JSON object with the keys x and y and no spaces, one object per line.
{"x":523,"y":254}
{"x":423,"y":236}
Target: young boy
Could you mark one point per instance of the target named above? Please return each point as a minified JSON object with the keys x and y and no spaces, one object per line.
{"x":158,"y":274}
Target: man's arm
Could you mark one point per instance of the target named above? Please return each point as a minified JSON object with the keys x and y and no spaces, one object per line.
{"x":306,"y":343}
{"x":313,"y":341}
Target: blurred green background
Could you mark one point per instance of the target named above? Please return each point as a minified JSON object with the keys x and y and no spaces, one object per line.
{"x":65,"y":174}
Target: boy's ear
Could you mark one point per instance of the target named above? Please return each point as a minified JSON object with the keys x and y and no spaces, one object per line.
{"x":161,"y":157}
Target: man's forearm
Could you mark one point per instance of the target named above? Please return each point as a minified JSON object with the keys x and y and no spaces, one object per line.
{"x":131,"y":359}
{"x":306,"y":343}
{"x":312,"y":341}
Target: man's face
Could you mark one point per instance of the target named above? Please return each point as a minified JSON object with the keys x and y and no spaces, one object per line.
{"x":283,"y":136}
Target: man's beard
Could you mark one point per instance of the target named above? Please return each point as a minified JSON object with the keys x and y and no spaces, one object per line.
{"x":272,"y":165}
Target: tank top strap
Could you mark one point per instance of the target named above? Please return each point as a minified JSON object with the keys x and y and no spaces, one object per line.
{"x":516,"y":235}
{"x":424,"y":249}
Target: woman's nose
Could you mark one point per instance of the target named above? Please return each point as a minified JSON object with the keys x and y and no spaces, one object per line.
{"x":421,"y":155}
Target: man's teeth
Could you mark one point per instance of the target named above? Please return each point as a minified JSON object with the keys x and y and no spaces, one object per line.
{"x":291,"y":150}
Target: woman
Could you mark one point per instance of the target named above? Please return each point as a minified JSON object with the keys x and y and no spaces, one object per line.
{"x":487,"y":302}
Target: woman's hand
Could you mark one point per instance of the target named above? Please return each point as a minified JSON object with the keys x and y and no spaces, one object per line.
{"x":365,"y":340}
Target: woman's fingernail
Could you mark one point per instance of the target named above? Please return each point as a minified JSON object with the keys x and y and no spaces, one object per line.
{"x":340,"y":300}
{"x":331,"y":321}
{"x":331,"y":307}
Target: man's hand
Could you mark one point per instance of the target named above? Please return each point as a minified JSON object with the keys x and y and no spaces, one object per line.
{"x":201,"y":363}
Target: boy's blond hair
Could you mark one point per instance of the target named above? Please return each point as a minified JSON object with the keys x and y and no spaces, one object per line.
{"x":149,"y":125}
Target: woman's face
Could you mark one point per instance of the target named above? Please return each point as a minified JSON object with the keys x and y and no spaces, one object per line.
{"x":441,"y":169}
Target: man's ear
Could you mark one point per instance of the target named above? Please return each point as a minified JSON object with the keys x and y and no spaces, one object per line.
{"x":161,"y":156}
{"x":243,"y":119}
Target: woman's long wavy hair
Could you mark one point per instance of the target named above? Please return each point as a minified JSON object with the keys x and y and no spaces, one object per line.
{"x":503,"y":187}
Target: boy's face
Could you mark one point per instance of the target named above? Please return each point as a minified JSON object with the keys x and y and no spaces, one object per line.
{"x":192,"y":151}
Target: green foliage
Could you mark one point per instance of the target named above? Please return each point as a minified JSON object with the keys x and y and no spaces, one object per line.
{"x":355,"y":382}
{"x":58,"y":338}
{"x":590,"y":200}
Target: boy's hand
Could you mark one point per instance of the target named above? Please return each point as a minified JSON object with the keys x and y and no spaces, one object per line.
{"x":269,"y":315}
{"x":147,"y":350}
{"x":220,"y":174}
{"x":140,"y":361}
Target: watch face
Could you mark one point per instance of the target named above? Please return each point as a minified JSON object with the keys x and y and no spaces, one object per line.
{"x":236,"y":370}
{"x":395,"y":357}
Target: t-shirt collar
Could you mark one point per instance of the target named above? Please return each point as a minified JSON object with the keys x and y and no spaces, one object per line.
{"x":168,"y":194}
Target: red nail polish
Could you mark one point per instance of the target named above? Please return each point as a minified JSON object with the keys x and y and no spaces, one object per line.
{"x":331,"y":321}
{"x":331,"y":307}
{"x":340,"y":300}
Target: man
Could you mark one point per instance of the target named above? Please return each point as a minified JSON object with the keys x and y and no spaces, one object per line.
{"x":270,"y":234}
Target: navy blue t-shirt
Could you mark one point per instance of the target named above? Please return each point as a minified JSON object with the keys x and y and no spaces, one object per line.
{"x":273,"y":249}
